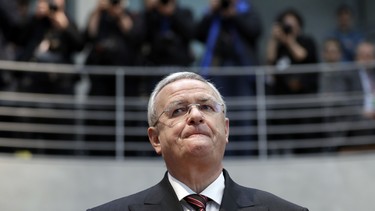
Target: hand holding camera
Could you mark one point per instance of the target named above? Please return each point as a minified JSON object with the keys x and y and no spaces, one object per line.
{"x":54,"y":12}
{"x":286,"y":28}
{"x":107,"y":5}
{"x":283,"y":33}
{"x":225,"y":4}
{"x":57,"y":15}
{"x":52,"y":6}
{"x":114,"y":8}
{"x":225,"y":7}
{"x":114,"y":2}
{"x":166,"y":7}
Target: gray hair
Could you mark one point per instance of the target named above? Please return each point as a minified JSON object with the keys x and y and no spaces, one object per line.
{"x":151,"y":109}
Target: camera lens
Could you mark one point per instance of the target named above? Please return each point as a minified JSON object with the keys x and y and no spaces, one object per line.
{"x":224,"y":4}
{"x":115,"y":2}
{"x":52,"y":6}
{"x":287,"y":28}
{"x":164,"y":1}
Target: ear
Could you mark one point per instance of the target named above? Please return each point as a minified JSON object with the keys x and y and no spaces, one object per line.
{"x":153,"y":137}
{"x":227,"y":129}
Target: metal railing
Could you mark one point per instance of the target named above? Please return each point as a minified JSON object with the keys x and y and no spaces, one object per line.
{"x":77,"y":123}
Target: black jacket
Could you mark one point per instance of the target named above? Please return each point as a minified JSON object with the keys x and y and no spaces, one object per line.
{"x":162,"y":197}
{"x":167,"y":39}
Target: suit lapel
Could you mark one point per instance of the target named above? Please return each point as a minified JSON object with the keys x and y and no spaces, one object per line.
{"x":235,"y":197}
{"x":160,"y":197}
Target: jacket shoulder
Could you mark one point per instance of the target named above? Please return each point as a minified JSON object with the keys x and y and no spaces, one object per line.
{"x":158,"y":197}
{"x":251,"y":197}
{"x":124,"y":202}
{"x":266,"y":199}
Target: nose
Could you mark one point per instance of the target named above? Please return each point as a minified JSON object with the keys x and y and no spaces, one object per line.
{"x":194,"y":115}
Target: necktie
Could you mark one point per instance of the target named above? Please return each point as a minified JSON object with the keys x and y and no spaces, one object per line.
{"x":197,"y":201}
{"x":371,"y":76}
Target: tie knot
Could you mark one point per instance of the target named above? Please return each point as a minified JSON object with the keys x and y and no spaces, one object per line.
{"x":197,"y":201}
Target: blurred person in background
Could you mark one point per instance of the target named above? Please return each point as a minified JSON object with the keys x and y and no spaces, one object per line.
{"x":336,"y":83}
{"x":169,"y":29}
{"x":11,"y":20}
{"x":168,"y":33}
{"x":230,"y":31}
{"x":341,"y":81}
{"x":365,"y":58}
{"x":113,"y":37}
{"x":331,"y":51}
{"x":13,"y":14}
{"x":346,"y":83}
{"x":346,"y":32}
{"x":49,"y":36}
{"x":286,"y":46}
{"x":359,"y":126}
{"x":188,"y":127}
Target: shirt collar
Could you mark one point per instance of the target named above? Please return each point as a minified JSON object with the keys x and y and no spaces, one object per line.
{"x":214,"y":191}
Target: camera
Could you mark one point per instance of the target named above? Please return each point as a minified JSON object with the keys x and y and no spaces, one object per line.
{"x":52,"y":6}
{"x":114,"y":2}
{"x":287,"y":29}
{"x":164,"y":2}
{"x":225,"y":4}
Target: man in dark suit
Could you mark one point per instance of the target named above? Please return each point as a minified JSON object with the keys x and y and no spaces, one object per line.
{"x":189,"y":128}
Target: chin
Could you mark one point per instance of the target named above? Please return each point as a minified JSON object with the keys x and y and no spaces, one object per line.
{"x":200,"y":148}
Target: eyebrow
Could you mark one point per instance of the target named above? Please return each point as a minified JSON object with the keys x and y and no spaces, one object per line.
{"x":200,"y":100}
{"x":177,"y":102}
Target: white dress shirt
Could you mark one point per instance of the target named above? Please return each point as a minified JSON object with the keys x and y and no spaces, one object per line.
{"x":214,"y":191}
{"x":368,"y":89}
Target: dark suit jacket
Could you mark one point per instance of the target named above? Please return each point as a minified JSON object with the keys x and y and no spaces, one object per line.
{"x":162,"y":197}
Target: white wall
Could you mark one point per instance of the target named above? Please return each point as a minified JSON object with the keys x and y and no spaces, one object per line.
{"x":327,"y":183}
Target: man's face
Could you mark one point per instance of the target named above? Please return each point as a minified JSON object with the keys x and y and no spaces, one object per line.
{"x":195,"y":135}
{"x":292,"y":21}
{"x":345,"y":19}
{"x":365,"y":53}
{"x":332,"y":52}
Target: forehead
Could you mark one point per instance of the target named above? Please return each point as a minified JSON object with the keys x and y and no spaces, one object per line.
{"x":366,"y":49}
{"x":185,"y":89}
{"x":331,"y":45}
{"x":290,"y":18}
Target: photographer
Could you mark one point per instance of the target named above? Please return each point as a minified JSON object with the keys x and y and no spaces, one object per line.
{"x":49,"y":36}
{"x":169,"y":29}
{"x":113,"y":37}
{"x":288,"y":45}
{"x":230,"y":31}
{"x":113,"y":31}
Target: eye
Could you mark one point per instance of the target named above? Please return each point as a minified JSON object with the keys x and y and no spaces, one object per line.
{"x":178,"y":111}
{"x":207,"y":108}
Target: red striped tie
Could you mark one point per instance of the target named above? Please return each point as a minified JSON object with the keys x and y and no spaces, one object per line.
{"x":197,"y":201}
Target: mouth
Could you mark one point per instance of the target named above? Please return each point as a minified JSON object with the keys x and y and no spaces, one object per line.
{"x":196,"y":134}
